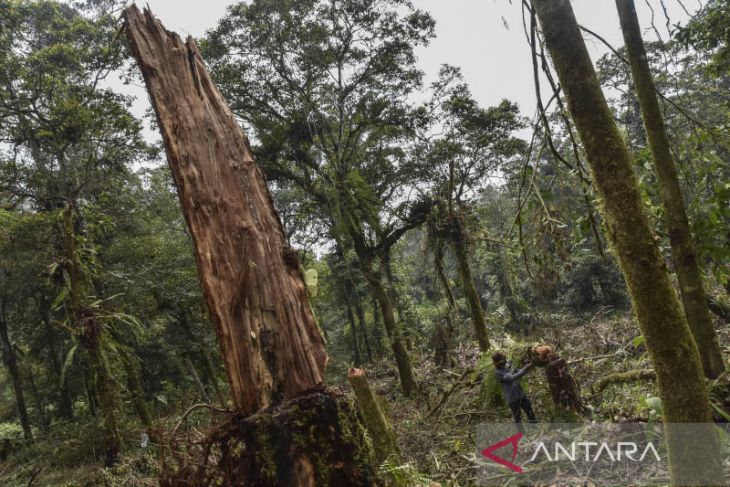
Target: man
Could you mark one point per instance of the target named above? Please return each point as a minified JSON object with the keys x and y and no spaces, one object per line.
{"x":513,"y":393}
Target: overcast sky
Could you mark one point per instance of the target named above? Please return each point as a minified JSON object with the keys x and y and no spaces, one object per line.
{"x":483,"y":37}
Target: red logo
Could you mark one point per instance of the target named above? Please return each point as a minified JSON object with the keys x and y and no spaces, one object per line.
{"x":514,"y":441}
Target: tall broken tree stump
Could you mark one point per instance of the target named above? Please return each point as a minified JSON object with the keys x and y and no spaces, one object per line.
{"x":271,"y":346}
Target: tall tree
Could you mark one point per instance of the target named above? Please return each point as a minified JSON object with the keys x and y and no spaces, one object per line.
{"x":683,"y":250}
{"x":10,"y":359}
{"x":473,"y":143}
{"x":668,"y":338}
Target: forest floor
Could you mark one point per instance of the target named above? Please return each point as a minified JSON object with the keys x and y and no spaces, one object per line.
{"x":438,"y":443}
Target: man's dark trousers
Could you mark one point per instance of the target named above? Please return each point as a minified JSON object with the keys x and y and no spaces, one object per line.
{"x":522,"y":404}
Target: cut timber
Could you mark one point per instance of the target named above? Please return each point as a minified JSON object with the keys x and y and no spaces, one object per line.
{"x":271,"y":346}
{"x":377,"y":423}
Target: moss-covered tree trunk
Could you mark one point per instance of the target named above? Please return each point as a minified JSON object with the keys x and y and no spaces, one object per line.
{"x":460,"y":246}
{"x":363,"y":327}
{"x":105,"y":388}
{"x":669,"y":341}
{"x":444,"y":333}
{"x":288,"y":428}
{"x":84,"y":322}
{"x":11,"y":362}
{"x":65,"y":404}
{"x":387,"y":311}
{"x":134,"y":384}
{"x":377,"y":422}
{"x":680,"y":238}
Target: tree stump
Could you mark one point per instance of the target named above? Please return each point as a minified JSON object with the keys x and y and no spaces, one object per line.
{"x":564,"y":388}
{"x":376,"y":420}
{"x":313,"y":440}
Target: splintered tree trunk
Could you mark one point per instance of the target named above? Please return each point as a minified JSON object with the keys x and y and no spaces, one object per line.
{"x":256,"y":297}
{"x":271,"y":346}
{"x":683,"y":251}
{"x":672,"y":349}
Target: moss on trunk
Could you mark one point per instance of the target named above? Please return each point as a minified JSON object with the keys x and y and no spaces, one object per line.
{"x":313,"y":440}
{"x":470,"y":291}
{"x":443,"y":339}
{"x":672,"y":349}
{"x":402,"y":360}
{"x":377,"y":422}
{"x":675,"y":215}
{"x":623,"y":378}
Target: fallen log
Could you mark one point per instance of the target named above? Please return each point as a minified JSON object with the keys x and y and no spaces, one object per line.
{"x":623,"y":378}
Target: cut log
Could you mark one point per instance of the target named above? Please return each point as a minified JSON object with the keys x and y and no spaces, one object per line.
{"x":376,"y":420}
{"x":563,"y":386}
{"x":271,"y":346}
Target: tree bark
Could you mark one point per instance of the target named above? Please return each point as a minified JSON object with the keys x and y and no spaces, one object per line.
{"x":672,"y":349}
{"x":402,"y":360}
{"x":444,"y":332}
{"x":271,"y":346}
{"x":11,"y":362}
{"x":378,"y":424}
{"x":288,"y":428}
{"x":470,"y":290}
{"x":675,"y":215}
{"x":363,"y":327}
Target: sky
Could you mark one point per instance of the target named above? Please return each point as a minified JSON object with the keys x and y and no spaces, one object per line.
{"x":485,"y":38}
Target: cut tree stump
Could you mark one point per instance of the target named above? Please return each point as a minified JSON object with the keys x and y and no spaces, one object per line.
{"x":271,"y":346}
{"x":377,"y":422}
{"x":313,"y":440}
{"x":563,"y":386}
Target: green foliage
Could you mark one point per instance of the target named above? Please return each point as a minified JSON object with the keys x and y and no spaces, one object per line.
{"x":707,"y":31}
